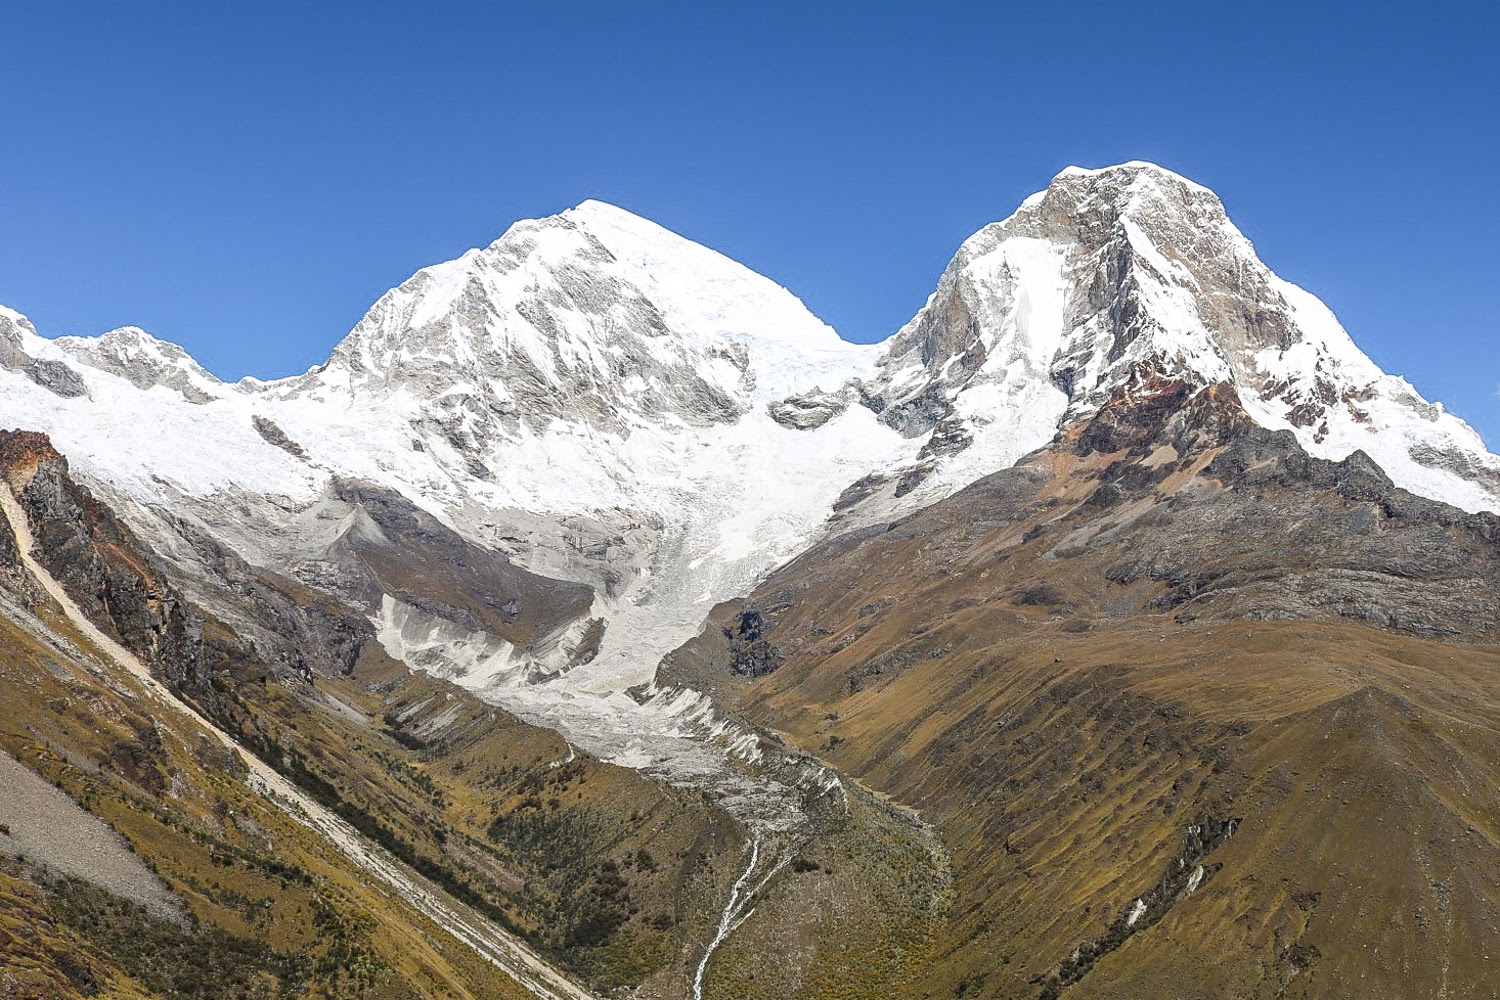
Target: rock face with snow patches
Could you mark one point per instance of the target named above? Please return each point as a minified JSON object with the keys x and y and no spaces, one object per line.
{"x":628,"y":428}
{"x":1039,"y":318}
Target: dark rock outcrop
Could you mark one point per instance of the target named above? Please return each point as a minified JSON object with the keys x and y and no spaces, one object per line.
{"x":751,"y":654}
{"x":94,"y":557}
{"x":122,"y":589}
{"x":274,"y":435}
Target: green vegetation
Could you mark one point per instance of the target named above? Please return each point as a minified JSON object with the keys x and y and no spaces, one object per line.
{"x":197,"y":963}
{"x":581,"y":896}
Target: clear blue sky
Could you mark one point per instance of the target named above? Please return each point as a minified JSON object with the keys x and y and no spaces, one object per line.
{"x":245,"y":179}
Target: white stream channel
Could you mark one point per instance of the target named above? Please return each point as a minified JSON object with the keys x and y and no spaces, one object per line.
{"x":741,"y":903}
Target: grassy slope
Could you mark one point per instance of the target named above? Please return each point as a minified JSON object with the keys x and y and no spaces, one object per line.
{"x":1064,"y":770}
{"x":241,"y":866}
{"x":1064,"y":735}
{"x":624,"y":875}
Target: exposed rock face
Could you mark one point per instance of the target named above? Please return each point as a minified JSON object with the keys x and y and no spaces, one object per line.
{"x":126,"y":592}
{"x":751,"y":654}
{"x":275,"y":435}
{"x":12,"y":348}
{"x":55,"y":377}
{"x":22,"y":453}
{"x":92,"y":555}
{"x":49,"y":373}
{"x":809,"y":412}
{"x":390,"y":547}
{"x":1185,"y":874}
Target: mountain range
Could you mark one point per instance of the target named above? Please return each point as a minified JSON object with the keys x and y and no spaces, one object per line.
{"x":978,"y":631}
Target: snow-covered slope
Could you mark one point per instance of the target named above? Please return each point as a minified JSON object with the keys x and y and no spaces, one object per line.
{"x":606,"y":402}
{"x":591,"y":394}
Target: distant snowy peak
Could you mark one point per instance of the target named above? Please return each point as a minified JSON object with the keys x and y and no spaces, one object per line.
{"x":1131,"y":268}
{"x":144,"y":361}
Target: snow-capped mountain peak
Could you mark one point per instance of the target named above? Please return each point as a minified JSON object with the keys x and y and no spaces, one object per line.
{"x":596,"y":315}
{"x":701,"y":290}
{"x":1112,"y":271}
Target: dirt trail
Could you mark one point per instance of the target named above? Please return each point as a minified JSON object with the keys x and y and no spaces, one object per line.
{"x":483,"y":936}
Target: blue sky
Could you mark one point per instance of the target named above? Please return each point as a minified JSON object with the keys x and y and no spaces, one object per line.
{"x":247,"y":179}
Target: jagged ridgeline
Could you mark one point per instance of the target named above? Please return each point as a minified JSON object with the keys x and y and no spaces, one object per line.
{"x":597,"y":621}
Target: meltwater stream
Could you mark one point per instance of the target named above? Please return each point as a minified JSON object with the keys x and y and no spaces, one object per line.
{"x":741,"y":902}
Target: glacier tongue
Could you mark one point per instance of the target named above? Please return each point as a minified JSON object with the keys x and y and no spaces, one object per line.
{"x":674,"y":734}
{"x":608,"y":403}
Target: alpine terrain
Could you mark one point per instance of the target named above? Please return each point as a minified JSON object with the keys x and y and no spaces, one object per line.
{"x":597,"y":622}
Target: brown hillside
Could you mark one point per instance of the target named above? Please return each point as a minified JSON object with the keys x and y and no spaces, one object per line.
{"x":1170,"y":659}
